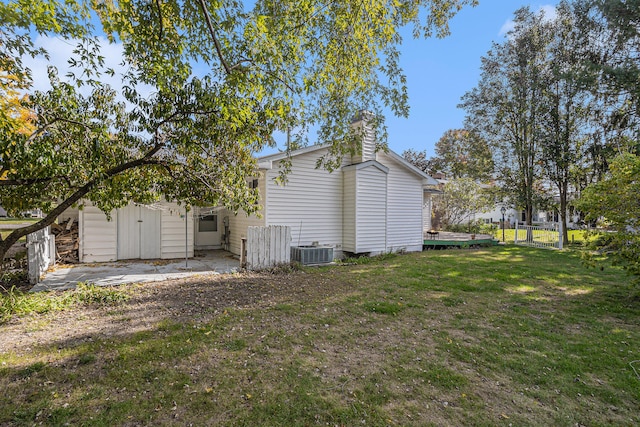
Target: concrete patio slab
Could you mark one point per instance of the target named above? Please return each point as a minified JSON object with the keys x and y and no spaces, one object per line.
{"x":138,"y":271}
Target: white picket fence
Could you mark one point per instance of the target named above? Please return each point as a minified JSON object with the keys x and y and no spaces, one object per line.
{"x":267,"y":247}
{"x":549,"y":236}
{"x":41,"y":253}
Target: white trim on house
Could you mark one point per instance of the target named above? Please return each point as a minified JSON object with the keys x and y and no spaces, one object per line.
{"x":283,"y":155}
{"x":404,"y":162}
{"x":366,"y":164}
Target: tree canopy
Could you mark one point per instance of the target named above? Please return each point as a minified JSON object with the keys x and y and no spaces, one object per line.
{"x":463,"y":154}
{"x":506,"y":107}
{"x":461,"y":200}
{"x":419,"y":159}
{"x":205,"y":86}
{"x":614,"y":200}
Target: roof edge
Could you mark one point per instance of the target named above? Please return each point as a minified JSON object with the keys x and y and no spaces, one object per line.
{"x":283,"y":155}
{"x":374,"y":163}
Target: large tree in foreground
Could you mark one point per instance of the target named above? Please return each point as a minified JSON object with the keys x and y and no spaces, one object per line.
{"x":613,"y":198}
{"x":224,"y":76}
{"x":568,"y":126}
{"x":506,"y":107}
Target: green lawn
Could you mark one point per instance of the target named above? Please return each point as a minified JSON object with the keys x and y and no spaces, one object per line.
{"x":18,"y":221}
{"x":575,"y":236}
{"x":500,"y":336}
{"x":4,"y":232}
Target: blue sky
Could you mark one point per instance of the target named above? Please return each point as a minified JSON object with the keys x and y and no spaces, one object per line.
{"x":440,"y":71}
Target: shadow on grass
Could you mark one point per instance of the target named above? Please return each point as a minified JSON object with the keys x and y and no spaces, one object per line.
{"x":489,"y":336}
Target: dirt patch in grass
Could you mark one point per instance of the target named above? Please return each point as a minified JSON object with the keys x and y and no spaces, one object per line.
{"x":196,"y":298}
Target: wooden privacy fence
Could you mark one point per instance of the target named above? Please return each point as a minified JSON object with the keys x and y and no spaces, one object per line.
{"x":549,"y":236}
{"x":267,"y":247}
{"x":41,"y":253}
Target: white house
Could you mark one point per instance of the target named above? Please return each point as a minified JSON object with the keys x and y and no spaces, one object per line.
{"x":376,"y":202}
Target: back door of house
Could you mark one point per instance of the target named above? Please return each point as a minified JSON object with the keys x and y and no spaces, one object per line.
{"x":138,"y":233}
{"x":208,"y":231}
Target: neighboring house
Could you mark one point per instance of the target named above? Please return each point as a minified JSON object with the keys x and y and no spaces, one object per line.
{"x":376,"y":202}
{"x":540,"y":217}
{"x":511,"y":215}
{"x":3,"y":213}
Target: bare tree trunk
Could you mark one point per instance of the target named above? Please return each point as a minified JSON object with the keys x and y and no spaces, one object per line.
{"x":563,"y":214}
{"x":528,"y":216}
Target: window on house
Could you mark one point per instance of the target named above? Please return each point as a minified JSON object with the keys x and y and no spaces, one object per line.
{"x":208,"y":223}
{"x":254,"y":184}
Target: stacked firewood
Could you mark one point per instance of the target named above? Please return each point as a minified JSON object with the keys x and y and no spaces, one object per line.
{"x":66,"y":241}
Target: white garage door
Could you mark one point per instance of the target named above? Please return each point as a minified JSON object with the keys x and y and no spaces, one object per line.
{"x":138,"y":233}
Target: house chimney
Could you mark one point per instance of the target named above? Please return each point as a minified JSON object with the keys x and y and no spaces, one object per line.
{"x":361,"y":124}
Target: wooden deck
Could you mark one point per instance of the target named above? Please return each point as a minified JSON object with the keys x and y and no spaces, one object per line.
{"x":444,"y":239}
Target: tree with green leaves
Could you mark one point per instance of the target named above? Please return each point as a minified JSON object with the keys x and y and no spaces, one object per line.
{"x":461,"y":200}
{"x":616,"y":24}
{"x":610,"y":64}
{"x":611,"y":198}
{"x":506,"y":107}
{"x":224,"y":76}
{"x":463,"y":154}
{"x":614,"y":201}
{"x":419,"y":159}
{"x":570,"y":108}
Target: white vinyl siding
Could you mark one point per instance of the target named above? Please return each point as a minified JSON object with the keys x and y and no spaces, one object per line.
{"x":310,"y":203}
{"x":369,"y":145}
{"x":349,"y":211}
{"x":172,"y":236}
{"x":98,"y":236}
{"x":238,"y":228}
{"x":238,"y":223}
{"x":68,"y":214}
{"x":405,"y":204}
{"x":426,"y":212}
{"x":368,"y":218}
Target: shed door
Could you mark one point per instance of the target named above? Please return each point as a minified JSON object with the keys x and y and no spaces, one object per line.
{"x":138,"y":233}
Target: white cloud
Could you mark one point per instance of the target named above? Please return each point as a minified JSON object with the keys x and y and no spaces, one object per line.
{"x":549,"y":11}
{"x":506,"y":27}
